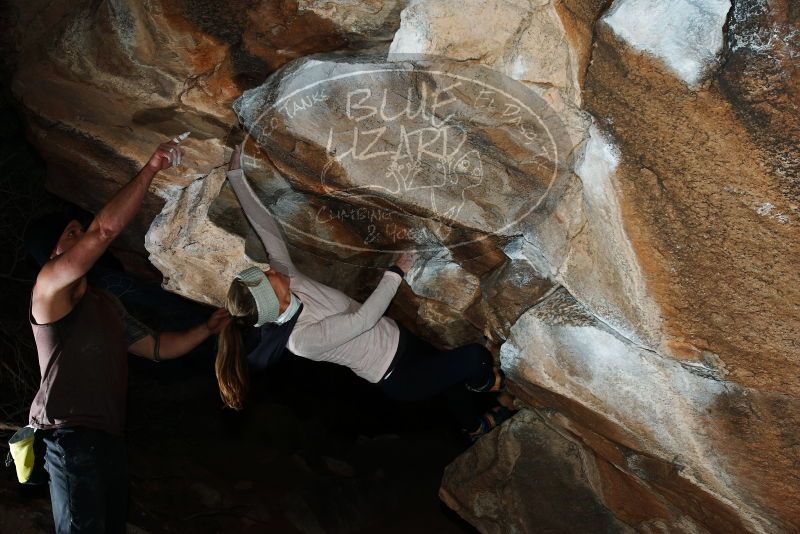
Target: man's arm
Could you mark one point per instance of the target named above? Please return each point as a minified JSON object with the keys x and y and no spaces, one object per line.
{"x":176,"y":344}
{"x":58,"y":276}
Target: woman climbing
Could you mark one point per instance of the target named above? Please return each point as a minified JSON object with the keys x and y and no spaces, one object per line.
{"x":281,"y":308}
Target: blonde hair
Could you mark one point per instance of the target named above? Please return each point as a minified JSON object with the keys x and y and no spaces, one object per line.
{"x":230,"y":365}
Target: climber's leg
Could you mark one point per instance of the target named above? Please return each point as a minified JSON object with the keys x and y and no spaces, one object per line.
{"x":422,"y":371}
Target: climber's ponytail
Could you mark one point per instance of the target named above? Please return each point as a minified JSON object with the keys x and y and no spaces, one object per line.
{"x":231,"y":365}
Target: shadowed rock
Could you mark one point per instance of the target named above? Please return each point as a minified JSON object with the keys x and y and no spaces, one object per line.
{"x":646,"y":291}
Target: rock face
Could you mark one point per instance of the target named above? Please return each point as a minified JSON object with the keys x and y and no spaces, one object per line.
{"x":528,"y":477}
{"x":667,"y":421}
{"x":128,"y":75}
{"x":686,"y":36}
{"x":607,"y":192}
{"x":536,"y":45}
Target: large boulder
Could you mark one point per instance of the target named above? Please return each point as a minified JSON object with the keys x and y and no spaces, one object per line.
{"x":545,"y":43}
{"x":676,"y":236}
{"x":667,"y":423}
{"x":541,"y":472}
{"x":639,"y":269}
{"x":359,"y":189}
{"x":529,"y":477}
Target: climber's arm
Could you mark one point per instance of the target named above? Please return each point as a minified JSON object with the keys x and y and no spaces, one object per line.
{"x":336,"y":330}
{"x":262,"y":220}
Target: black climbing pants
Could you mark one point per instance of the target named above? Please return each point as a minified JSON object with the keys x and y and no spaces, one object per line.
{"x":419,"y":371}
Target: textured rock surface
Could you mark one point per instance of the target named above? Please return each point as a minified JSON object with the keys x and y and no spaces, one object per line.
{"x":543,"y":473}
{"x":204,"y":255}
{"x":130,"y":74}
{"x":534,"y":45}
{"x":649,"y":303}
{"x":661,"y":413}
{"x":712,"y":224}
{"x":527,"y":477}
{"x":686,"y":36}
{"x":578,"y":237}
{"x":410,"y":182}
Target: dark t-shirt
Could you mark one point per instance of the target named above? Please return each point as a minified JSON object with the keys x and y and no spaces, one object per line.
{"x":83,"y":358}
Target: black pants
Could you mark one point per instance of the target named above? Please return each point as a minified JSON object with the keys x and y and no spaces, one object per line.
{"x":88,"y":480}
{"x":420,"y":371}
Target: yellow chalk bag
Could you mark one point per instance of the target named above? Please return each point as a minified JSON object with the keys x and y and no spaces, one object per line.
{"x":21,"y":451}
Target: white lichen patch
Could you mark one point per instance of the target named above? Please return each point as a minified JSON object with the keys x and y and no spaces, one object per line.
{"x":685,"y":34}
{"x":767,"y":209}
{"x":599,"y":161}
{"x":602,"y":269}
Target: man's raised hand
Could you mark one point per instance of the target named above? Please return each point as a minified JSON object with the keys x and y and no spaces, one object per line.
{"x":167,"y":154}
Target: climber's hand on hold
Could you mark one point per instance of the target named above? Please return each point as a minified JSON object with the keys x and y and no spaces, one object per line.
{"x":236,"y":158}
{"x":406,"y":261}
{"x":168,"y":154}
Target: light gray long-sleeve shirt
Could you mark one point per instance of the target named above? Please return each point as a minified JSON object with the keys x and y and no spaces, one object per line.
{"x":332,"y":327}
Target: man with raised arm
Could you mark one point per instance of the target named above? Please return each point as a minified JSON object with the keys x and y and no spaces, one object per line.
{"x":83,"y":335}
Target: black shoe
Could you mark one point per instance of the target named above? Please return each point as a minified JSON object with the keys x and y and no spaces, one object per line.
{"x":495,"y":384}
{"x":490,"y":420}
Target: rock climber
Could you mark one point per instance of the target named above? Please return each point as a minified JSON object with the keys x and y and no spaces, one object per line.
{"x":281,"y":308}
{"x":83,"y":335}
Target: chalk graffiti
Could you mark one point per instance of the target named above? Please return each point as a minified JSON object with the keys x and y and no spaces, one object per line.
{"x":402,"y":150}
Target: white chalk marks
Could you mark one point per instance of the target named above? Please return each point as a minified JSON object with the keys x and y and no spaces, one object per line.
{"x":406,"y":152}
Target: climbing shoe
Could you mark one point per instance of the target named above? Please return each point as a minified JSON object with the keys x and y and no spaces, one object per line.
{"x":495,"y":384}
{"x":491,"y":420}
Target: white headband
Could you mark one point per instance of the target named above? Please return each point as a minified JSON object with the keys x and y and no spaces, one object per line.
{"x":264,"y":295}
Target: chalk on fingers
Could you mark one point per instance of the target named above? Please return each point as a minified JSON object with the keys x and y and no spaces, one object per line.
{"x":181,"y":137}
